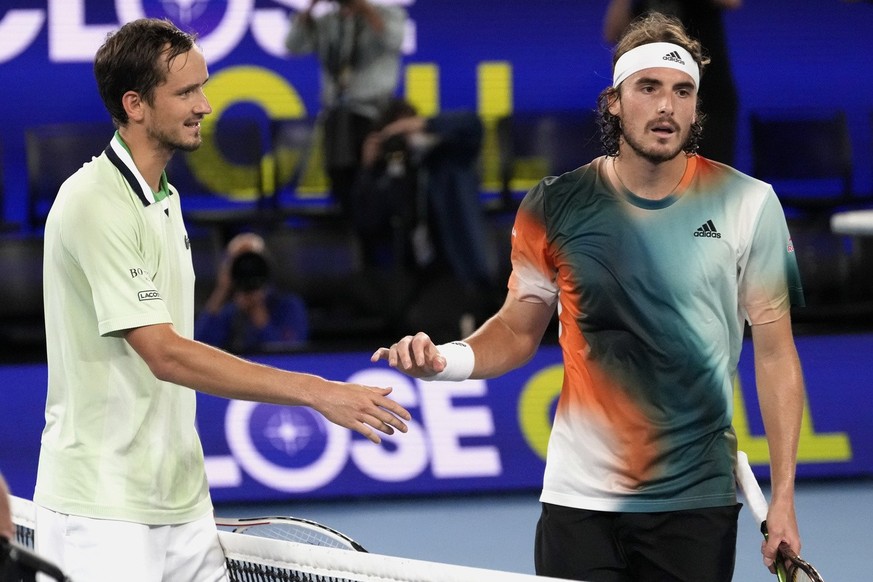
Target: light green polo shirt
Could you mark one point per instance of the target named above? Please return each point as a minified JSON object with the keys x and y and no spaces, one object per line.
{"x":118,"y":443}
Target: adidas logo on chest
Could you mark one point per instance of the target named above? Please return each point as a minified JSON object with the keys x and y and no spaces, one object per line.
{"x":707,"y":230}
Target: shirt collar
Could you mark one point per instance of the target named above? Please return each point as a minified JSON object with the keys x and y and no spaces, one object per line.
{"x":119,"y":154}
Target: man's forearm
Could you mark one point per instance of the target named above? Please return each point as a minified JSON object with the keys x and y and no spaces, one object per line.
{"x":510,"y":338}
{"x":781,"y":398}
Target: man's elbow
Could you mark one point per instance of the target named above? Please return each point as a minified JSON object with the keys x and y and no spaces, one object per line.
{"x":161,"y":348}
{"x":164,"y":369}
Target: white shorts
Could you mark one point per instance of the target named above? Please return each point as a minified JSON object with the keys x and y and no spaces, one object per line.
{"x":104,"y":550}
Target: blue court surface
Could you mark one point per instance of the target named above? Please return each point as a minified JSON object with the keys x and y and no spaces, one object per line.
{"x":496,"y":531}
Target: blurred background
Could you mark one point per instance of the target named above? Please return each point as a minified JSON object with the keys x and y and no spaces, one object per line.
{"x":531,"y":71}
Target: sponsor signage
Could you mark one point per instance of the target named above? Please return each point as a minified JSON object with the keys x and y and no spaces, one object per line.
{"x":483,"y":436}
{"x":47,"y":48}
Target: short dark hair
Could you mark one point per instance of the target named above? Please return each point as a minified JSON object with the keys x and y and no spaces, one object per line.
{"x":137,"y":57}
{"x":648,"y":28}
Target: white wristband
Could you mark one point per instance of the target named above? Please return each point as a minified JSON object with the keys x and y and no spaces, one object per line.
{"x":460,"y":360}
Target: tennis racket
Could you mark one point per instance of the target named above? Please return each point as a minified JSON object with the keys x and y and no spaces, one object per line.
{"x":20,"y":563}
{"x":798,"y":569}
{"x":291,"y":529}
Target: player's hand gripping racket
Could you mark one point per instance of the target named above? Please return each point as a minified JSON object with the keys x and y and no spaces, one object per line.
{"x":799,"y":569}
{"x":291,"y":529}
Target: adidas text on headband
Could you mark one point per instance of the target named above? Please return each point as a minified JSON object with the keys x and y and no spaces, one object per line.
{"x":655,"y":54}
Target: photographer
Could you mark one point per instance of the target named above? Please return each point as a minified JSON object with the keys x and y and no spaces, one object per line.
{"x":416,"y":199}
{"x":385,"y":197}
{"x":358,"y":47}
{"x":244,"y":313}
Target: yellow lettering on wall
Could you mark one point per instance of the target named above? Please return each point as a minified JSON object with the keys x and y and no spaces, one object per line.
{"x":422,"y":88}
{"x":494,"y":101}
{"x":278,"y":98}
{"x":812,"y":448}
{"x":535,"y":407}
{"x":540,"y":392}
{"x":256,"y":85}
{"x":494,"y":89}
{"x":313,"y":180}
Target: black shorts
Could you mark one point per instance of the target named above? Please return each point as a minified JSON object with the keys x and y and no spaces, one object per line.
{"x":697,"y":545}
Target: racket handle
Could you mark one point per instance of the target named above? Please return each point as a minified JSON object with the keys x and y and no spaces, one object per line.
{"x":750,"y":489}
{"x":783,"y":552}
{"x":757,"y":503}
{"x":781,"y":572}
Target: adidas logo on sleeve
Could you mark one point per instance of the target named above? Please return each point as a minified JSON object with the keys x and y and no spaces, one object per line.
{"x":707,"y":230}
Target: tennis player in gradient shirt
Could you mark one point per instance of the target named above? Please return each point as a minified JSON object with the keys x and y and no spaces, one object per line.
{"x":655,"y":258}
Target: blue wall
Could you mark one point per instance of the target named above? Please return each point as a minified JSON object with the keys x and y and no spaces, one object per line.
{"x":786,"y":54}
{"x":474,"y":436}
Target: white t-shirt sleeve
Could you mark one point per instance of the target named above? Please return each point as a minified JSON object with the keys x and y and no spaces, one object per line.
{"x":104,"y":240}
{"x":770,"y":281}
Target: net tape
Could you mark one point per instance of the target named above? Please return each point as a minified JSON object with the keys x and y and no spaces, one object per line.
{"x":257,"y":559}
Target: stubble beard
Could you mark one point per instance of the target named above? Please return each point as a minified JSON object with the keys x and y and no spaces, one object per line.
{"x":652,"y":155}
{"x":173,"y":143}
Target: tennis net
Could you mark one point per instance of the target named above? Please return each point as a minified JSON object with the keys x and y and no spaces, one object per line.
{"x":256,"y":559}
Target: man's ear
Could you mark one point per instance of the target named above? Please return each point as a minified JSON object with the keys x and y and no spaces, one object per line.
{"x":613,"y":102}
{"x":133,"y":105}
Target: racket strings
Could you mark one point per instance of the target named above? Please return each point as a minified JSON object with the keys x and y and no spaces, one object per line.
{"x":802,"y":571}
{"x":797,"y":575}
{"x":300,"y":533}
{"x":797,"y":569}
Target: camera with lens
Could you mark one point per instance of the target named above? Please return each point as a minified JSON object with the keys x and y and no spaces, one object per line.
{"x":249,"y":271}
{"x":395,"y":144}
{"x":395,"y":155}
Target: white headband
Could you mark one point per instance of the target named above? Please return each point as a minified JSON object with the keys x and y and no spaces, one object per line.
{"x":655,"y":54}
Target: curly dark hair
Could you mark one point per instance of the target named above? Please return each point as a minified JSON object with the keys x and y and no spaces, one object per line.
{"x":648,"y":28}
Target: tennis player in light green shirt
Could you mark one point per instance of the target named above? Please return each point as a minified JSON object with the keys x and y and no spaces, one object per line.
{"x":121,"y":484}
